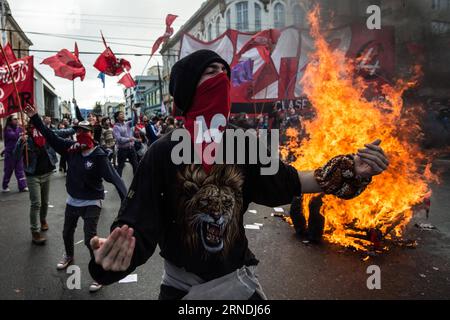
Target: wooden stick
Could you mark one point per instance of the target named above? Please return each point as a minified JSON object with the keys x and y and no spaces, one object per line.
{"x":18,"y":99}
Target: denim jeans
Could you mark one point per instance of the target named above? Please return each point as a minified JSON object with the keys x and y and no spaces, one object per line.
{"x":90,"y":216}
{"x":39,"y":190}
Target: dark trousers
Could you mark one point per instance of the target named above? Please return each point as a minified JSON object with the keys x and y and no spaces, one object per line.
{"x":122,"y":155}
{"x":90,"y":216}
{"x":63,"y":163}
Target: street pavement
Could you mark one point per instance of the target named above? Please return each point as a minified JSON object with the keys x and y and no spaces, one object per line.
{"x":288,"y":269}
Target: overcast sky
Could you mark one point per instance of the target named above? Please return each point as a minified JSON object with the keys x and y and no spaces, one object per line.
{"x":137,"y":22}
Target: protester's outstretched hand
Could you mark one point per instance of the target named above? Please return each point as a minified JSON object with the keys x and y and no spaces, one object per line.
{"x":115,"y":252}
{"x":371,"y":161}
{"x":30,"y":110}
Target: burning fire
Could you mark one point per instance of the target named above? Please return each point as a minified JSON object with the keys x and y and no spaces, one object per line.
{"x":346,"y":121}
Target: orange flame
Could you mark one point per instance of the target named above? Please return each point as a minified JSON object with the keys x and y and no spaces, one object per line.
{"x":346,"y":121}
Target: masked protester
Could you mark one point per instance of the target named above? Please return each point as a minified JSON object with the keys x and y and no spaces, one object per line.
{"x":11,"y":134}
{"x":88,"y":166}
{"x":194,"y":212}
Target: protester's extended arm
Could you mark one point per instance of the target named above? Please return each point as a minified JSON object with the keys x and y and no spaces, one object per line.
{"x":110,"y":175}
{"x":346,"y":176}
{"x":78,"y":114}
{"x":64,"y":133}
{"x":59,"y":144}
{"x":136,"y":230}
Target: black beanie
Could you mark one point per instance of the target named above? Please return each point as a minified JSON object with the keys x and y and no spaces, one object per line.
{"x":186,"y":74}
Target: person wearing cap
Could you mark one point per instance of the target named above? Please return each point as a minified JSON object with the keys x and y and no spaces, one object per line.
{"x":88,"y":166}
{"x":194,"y":212}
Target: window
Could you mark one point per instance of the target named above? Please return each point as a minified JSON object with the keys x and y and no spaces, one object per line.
{"x":279,"y":16}
{"x":440,"y":4}
{"x":298,"y":14}
{"x":229,"y":19}
{"x":242,"y":16}
{"x":210,"y":32}
{"x":257,"y":17}
{"x":217,"y":27}
{"x":440,"y":27}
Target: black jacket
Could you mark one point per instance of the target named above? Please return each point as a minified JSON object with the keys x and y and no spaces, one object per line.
{"x":85,"y":174}
{"x":151,"y":209}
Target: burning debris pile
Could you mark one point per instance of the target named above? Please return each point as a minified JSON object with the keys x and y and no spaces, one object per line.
{"x":345,"y":121}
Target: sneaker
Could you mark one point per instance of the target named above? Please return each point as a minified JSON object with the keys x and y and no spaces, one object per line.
{"x":44,"y":226}
{"x":6,"y":190}
{"x":95,"y":286}
{"x":25,"y":189}
{"x":38,"y":238}
{"x":64,"y":263}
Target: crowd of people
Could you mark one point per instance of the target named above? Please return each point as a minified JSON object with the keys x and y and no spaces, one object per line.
{"x":31,"y":150}
{"x":193,"y":212}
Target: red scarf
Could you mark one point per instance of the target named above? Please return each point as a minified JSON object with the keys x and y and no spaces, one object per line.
{"x":212,"y":100}
{"x":38,"y":138}
{"x":85,"y":140}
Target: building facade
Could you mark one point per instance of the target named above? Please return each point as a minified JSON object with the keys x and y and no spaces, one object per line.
{"x":45,"y":97}
{"x":146,"y":94}
{"x":425,"y":23}
{"x":109,"y":108}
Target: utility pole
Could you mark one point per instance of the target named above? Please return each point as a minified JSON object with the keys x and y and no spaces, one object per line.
{"x":160,"y":87}
{"x":3,"y":21}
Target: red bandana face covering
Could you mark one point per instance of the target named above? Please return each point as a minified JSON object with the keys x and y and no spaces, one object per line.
{"x":208,"y":117}
{"x":38,"y":138}
{"x":84,"y":138}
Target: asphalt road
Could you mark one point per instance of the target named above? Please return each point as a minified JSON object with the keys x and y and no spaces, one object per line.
{"x":288,"y":269}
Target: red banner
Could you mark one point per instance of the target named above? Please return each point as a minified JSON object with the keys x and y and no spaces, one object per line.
{"x":23,"y":73}
{"x":279,"y":58}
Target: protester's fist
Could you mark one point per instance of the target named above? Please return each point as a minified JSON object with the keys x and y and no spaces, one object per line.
{"x":371,"y":161}
{"x":115,"y":252}
{"x":30,"y":110}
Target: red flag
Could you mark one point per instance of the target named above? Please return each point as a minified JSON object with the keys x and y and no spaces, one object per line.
{"x":9,"y":55}
{"x":127,"y":81}
{"x":66,"y":64}
{"x":108,"y":63}
{"x":264,"y":39}
{"x":169,"y":31}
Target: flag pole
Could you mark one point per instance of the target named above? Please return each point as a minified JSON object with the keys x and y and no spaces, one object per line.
{"x":73,"y":89}
{"x":19,"y":100}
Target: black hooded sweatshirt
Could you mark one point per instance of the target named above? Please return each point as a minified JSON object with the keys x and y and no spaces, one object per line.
{"x":154,"y":203}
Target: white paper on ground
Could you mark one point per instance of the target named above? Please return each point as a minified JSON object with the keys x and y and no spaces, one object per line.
{"x":258,"y":224}
{"x":252,"y":211}
{"x":278,"y":209}
{"x":81,"y":241}
{"x":51,"y":206}
{"x":251,"y":226}
{"x":130,"y":278}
